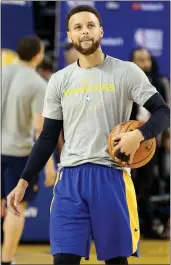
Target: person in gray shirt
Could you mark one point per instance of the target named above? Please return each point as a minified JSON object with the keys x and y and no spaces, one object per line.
{"x":93,"y":196}
{"x":23,"y":92}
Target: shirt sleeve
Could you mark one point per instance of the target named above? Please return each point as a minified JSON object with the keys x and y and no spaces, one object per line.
{"x":52,"y":104}
{"x":137,"y":84}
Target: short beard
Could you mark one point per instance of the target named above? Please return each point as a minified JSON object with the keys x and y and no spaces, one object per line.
{"x":95,"y":45}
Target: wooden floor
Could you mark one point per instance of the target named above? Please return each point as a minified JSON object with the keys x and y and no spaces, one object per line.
{"x":152,"y":252}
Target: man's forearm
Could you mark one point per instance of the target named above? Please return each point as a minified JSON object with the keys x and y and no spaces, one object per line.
{"x":42,"y":149}
{"x":50,"y":162}
{"x":160,"y":117}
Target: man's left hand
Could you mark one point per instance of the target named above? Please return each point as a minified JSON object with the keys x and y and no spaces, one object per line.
{"x":128,"y":144}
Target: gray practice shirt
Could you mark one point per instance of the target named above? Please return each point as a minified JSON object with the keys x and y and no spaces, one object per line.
{"x":91,"y":102}
{"x":23,"y":92}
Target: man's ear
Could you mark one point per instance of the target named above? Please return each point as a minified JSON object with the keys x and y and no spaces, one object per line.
{"x":101,"y":32}
{"x":69,"y":37}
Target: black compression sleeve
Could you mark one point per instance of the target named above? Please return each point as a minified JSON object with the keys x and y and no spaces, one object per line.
{"x":42,"y":149}
{"x":160,"y":117}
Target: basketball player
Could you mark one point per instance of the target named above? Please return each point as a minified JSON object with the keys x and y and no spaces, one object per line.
{"x":46,"y":69}
{"x":23,"y":93}
{"x":70,"y":53}
{"x":93,"y":196}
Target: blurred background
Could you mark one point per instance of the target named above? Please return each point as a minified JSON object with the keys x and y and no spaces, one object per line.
{"x":133,"y":30}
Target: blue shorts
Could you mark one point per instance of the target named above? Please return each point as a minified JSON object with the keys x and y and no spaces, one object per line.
{"x":11,"y":169}
{"x":94,"y":202}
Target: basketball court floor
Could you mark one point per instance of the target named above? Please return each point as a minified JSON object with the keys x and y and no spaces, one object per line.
{"x":152,"y":252}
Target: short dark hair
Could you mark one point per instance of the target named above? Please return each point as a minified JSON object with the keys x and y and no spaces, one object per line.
{"x":28,"y":47}
{"x":83,"y":8}
{"x":132,"y":53}
{"x":154,"y":67}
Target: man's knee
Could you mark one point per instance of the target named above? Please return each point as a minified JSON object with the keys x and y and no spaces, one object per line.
{"x":63,"y":258}
{"x":11,"y":220}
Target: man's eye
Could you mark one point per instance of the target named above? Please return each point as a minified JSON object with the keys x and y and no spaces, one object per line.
{"x":91,"y":26}
{"x":78,"y":27}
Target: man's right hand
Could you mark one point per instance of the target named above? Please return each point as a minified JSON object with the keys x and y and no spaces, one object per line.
{"x":16,"y":196}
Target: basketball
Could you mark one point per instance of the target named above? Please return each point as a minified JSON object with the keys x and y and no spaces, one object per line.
{"x":143,"y":154}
